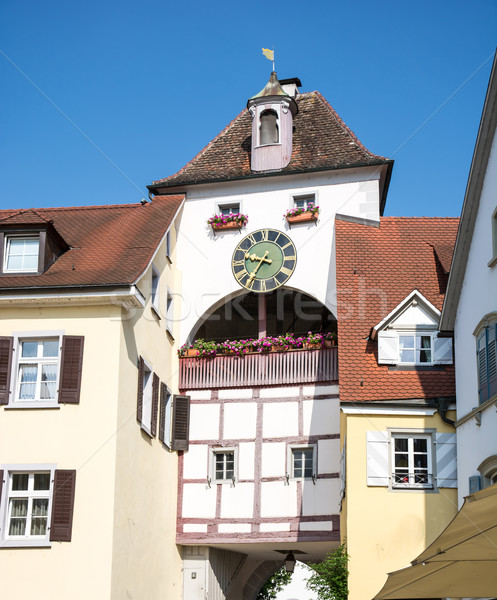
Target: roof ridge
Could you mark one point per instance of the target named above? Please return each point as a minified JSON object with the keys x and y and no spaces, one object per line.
{"x":347,"y":129}
{"x":21,"y":211}
{"x":204,"y":149}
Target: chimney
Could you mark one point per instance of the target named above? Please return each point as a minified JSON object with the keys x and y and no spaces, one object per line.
{"x":291,"y":86}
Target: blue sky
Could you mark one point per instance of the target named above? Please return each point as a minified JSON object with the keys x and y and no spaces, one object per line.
{"x":101,"y":98}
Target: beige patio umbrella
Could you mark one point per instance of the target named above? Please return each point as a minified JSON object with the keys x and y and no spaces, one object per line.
{"x":460,"y":563}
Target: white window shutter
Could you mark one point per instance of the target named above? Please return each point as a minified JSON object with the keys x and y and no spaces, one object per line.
{"x":377,"y":458}
{"x":446,"y":460}
{"x":388,"y":347}
{"x":442,"y":350}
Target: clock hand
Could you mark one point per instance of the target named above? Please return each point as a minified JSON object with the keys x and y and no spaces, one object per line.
{"x":254,"y":257}
{"x":261,"y":260}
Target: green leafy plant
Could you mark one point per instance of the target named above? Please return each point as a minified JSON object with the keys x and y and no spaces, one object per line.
{"x":330,"y":578}
{"x":274,"y":584}
{"x":218,"y":220}
{"x":311,"y":208}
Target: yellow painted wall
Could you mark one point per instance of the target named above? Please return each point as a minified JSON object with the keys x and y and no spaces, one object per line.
{"x":80,"y":437}
{"x":385,"y":530}
{"x":124,"y":527}
{"x":147,"y":562}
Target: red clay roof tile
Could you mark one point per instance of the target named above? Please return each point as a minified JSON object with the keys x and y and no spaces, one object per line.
{"x":108,"y":245}
{"x":376,"y":269}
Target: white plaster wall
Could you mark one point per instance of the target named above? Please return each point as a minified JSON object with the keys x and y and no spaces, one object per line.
{"x":478,"y":298}
{"x":237,"y":502}
{"x":278,"y":499}
{"x":239,"y":420}
{"x":273,"y":459}
{"x":280,"y":419}
{"x":246,"y":452}
{"x":322,"y":498}
{"x":321,"y":416}
{"x":204,"y":258}
{"x":328,"y":452}
{"x":204,"y":422}
{"x":199,"y":500}
{"x":414,"y":315}
{"x":195,"y":462}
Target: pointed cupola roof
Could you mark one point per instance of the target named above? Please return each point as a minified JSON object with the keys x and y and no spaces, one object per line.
{"x":273,"y":91}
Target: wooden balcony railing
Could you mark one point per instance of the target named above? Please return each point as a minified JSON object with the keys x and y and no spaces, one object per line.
{"x":252,"y":370}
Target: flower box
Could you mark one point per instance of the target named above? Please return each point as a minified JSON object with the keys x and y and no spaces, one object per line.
{"x":226,"y":226}
{"x":189,"y":353}
{"x":304,"y":217}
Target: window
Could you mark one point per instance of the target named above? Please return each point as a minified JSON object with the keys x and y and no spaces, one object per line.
{"x":36,"y":504}
{"x":304,"y":201}
{"x":228,"y":209}
{"x":21,"y":254}
{"x":169,"y":312}
{"x":38,"y":368}
{"x":168,"y":244}
{"x":224,"y":465}
{"x":165,"y":415}
{"x":486,"y":354}
{"x":154,"y":290}
{"x":411,"y":461}
{"x":494,"y":234}
{"x":44,"y":371}
{"x":148,"y":398}
{"x":268,"y":128}
{"x":302,"y":462}
{"x":414,"y":349}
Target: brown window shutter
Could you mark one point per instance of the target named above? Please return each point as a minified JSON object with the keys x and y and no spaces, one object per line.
{"x":155,"y":403}
{"x":70,"y":370}
{"x":6,"y":347}
{"x":139,"y":401}
{"x":162,"y":415}
{"x":181,"y":422}
{"x":62,"y":505}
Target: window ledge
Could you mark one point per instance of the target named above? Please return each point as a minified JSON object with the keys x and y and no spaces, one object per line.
{"x":25,"y":544}
{"x":155,"y":311}
{"x":146,"y":430}
{"x":31,"y":405}
{"x":476,"y":410}
{"x":492,"y":262}
{"x":401,"y":367}
{"x":169,"y":259}
{"x":170,"y":334}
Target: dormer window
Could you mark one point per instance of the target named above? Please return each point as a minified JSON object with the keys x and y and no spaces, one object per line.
{"x":268,"y":128}
{"x":21,"y":254}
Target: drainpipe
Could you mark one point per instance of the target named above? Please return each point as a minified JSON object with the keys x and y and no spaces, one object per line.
{"x":442,"y":406}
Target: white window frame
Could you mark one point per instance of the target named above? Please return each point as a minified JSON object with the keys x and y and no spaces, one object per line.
{"x":7,"y":540}
{"x":417,"y":351}
{"x":22,"y":336}
{"x":276,"y":108}
{"x":307,"y":197}
{"x":169,"y":312}
{"x":155,"y":290}
{"x":220,"y":206}
{"x":8,"y":238}
{"x":168,"y":421}
{"x":411,"y":484}
{"x":215,"y":452}
{"x":148,"y":378}
{"x":291,"y":465}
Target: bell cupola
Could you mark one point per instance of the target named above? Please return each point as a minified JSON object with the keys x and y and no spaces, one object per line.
{"x":272,"y":111}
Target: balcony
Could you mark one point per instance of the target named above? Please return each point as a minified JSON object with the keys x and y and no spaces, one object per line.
{"x":259,"y":369}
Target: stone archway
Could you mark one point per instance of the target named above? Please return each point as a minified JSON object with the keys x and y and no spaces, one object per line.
{"x":258,"y":578}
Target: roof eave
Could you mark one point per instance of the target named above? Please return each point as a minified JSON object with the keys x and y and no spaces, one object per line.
{"x":171,"y":185}
{"x":476,"y":178}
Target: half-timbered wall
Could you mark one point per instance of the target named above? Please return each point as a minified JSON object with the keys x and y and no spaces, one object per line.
{"x":264,"y":503}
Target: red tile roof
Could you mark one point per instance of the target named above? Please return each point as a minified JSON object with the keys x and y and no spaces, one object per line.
{"x":376,"y":269}
{"x":108,"y":245}
{"x":321,"y":141}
